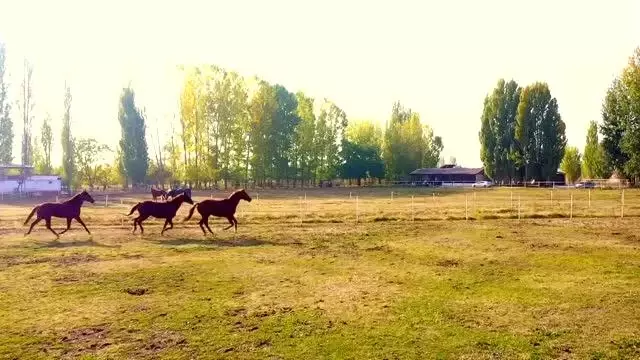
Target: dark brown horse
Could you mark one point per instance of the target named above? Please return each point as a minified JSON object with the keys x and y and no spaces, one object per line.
{"x":158,"y":193}
{"x":225,"y":208}
{"x":161,"y":210}
{"x":69,"y":209}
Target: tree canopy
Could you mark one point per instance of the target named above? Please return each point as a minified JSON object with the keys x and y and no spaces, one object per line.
{"x":621,"y":121}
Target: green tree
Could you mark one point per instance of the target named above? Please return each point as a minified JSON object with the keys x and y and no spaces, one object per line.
{"x":106,"y":175}
{"x":594,"y":164}
{"x":614,"y":113}
{"x":38,"y":158}
{"x":361,"y":151}
{"x":329,"y":135}
{"x":133,"y":143}
{"x":259,"y":152}
{"x":89,"y":154}
{"x":571,"y":164}
{"x":497,"y":132}
{"x":305,"y":132}
{"x":283,"y":130}
{"x":68,"y":156}
{"x":26,"y":106}
{"x":621,"y":120}
{"x":408,"y":144}
{"x":6,"y":125}
{"x":540,"y":132}
{"x":47,"y":141}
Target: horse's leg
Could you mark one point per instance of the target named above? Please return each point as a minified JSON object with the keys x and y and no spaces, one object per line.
{"x":135,"y":225}
{"x":37,"y":220}
{"x":206,"y":223}
{"x":170,"y":221}
{"x":201,"y":223}
{"x":142,"y":218}
{"x":81,"y":223}
{"x":48,"y":223}
{"x":68,"y":226}
{"x":164,"y":226}
{"x":235,"y":223}
{"x":230,"y":222}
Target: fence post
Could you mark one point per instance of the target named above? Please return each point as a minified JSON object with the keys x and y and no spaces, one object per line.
{"x":571,"y":208}
{"x":357,"y":212}
{"x":466,"y":214}
{"x":300,"y":199}
{"x":622,"y":205}
{"x":392,"y":196}
{"x":519,"y":208}
{"x":349,"y":195}
{"x":106,"y":200}
{"x":412,"y":211}
{"x":474,"y":201}
{"x":512,"y":200}
{"x":552,"y":199}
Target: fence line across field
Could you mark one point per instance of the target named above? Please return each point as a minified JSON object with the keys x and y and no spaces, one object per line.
{"x":471,"y":206}
{"x":445,"y":205}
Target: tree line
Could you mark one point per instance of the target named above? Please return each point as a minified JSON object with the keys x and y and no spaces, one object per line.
{"x":522,"y":135}
{"x":230,"y":131}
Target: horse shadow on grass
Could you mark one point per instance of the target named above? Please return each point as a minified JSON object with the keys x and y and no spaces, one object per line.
{"x":57,"y":244}
{"x":238,"y":241}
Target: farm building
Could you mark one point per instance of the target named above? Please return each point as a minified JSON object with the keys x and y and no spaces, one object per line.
{"x":448,"y":174}
{"x":19,"y":179}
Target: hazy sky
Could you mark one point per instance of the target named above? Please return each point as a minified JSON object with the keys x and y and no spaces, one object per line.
{"x":439,"y":58}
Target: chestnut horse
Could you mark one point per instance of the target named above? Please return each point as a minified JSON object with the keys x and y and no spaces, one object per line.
{"x":69,"y":209}
{"x":161,"y":210}
{"x":159,"y":193}
{"x":221,"y":208}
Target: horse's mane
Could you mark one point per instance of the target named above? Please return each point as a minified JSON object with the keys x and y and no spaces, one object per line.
{"x":235,"y":193}
{"x":75,"y":197}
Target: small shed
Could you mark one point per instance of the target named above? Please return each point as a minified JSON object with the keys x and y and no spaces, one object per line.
{"x":448,"y":174}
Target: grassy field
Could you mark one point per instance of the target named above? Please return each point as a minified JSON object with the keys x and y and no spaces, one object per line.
{"x":322,"y":275}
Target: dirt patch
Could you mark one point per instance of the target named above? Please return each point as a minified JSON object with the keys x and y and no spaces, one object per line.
{"x":69,"y":278}
{"x":164,"y":340}
{"x":236,"y":312}
{"x":75,"y":259}
{"x":448,"y":263}
{"x":382,"y":248}
{"x":136,"y":291}
{"x":87,"y":339}
{"x":15,"y":260}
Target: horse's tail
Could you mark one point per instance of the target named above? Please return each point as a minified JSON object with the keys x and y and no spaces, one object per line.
{"x":134,"y":208}
{"x":31,"y":214}
{"x":193,"y":208}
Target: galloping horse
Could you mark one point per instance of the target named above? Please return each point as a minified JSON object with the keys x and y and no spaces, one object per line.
{"x":221,"y":208}
{"x":159,"y":193}
{"x":161,"y":210}
{"x":175,"y":192}
{"x":69,"y":209}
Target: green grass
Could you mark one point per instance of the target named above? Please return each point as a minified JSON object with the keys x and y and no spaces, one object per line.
{"x":387,"y":288}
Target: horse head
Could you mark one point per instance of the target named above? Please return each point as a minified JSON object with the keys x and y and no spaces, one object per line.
{"x":242,"y":194}
{"x":84,"y":196}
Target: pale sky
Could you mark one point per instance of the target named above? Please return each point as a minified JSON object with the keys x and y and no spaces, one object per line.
{"x":440,"y":58}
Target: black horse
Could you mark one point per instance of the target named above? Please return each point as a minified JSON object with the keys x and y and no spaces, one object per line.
{"x":175,"y":192}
